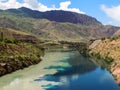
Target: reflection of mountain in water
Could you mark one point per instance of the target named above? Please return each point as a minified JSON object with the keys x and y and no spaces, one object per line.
{"x":81,"y":64}
{"x":78,"y":65}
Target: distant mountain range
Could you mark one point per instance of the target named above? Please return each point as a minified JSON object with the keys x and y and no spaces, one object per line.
{"x":55,"y":25}
{"x":58,"y":16}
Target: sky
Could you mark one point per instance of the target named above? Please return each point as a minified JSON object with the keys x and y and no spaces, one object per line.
{"x":105,"y":11}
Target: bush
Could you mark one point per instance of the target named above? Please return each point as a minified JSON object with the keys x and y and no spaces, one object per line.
{"x":13,"y":41}
{"x":108,"y":59}
{"x":103,"y":38}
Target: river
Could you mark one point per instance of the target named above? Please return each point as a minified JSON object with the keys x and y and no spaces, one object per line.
{"x":60,"y":70}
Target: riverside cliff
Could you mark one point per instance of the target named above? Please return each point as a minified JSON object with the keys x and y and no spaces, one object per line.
{"x":108,"y":50}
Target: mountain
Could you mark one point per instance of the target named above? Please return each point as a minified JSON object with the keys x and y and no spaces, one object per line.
{"x":55,"y":25}
{"x":57,"y":15}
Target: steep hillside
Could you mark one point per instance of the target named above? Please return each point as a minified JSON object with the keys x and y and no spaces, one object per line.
{"x":69,"y":31}
{"x":108,"y":50}
{"x":6,"y":33}
{"x":55,"y":25}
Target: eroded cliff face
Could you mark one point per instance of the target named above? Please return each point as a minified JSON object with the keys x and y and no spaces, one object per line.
{"x":109,"y":51}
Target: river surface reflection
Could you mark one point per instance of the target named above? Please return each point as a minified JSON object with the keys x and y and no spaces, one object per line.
{"x":60,"y":70}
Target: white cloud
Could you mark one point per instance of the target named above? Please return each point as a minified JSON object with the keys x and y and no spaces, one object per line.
{"x":112,"y":12}
{"x":9,"y":4}
{"x":65,"y":6}
{"x":35,"y":5}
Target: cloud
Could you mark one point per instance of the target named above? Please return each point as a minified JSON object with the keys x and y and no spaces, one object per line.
{"x":65,"y":6}
{"x":4,"y":4}
{"x":35,"y":5}
{"x":112,"y":12}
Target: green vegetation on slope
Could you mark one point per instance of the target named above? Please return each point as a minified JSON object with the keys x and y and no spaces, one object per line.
{"x":11,"y":34}
{"x":17,"y":53}
{"x":14,"y":56}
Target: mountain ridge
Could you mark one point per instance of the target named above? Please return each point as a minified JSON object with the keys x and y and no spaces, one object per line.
{"x":53,"y":29}
{"x":59,"y":16}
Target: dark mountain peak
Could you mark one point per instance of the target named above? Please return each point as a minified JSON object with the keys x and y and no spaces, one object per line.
{"x":57,"y":15}
{"x":25,"y":9}
{"x":72,"y":17}
{"x":31,"y":13}
{"x":1,"y":10}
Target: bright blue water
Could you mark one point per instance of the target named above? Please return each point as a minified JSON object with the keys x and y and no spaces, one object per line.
{"x":81,"y":74}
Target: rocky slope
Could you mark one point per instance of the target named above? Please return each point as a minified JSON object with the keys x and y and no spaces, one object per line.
{"x":108,"y":50}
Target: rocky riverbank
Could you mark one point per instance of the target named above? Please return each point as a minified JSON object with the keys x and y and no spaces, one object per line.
{"x":109,"y":51}
{"x":15,"y":56}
